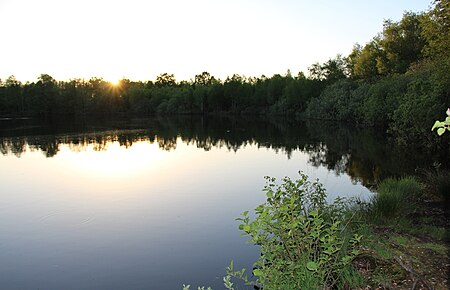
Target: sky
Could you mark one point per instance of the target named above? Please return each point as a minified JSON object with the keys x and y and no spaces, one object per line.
{"x":138,"y":39}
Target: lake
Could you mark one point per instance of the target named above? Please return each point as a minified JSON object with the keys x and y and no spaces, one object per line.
{"x":151,"y":204}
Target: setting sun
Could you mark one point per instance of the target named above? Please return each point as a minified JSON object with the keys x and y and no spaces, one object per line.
{"x":115,"y":83}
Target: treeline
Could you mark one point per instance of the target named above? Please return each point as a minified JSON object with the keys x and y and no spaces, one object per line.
{"x":399,"y":80}
{"x":205,"y":94}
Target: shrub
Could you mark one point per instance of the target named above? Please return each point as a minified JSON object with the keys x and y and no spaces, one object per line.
{"x":303,"y":246}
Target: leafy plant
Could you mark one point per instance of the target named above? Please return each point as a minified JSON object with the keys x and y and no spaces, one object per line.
{"x":188,"y":287}
{"x":226,"y":282}
{"x":301,"y":245}
{"x":442,"y":126}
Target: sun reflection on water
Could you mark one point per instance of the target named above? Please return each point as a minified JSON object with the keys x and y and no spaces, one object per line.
{"x":114,"y":161}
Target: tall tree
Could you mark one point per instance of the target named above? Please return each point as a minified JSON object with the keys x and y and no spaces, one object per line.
{"x":12,"y":98}
{"x":436,"y":29}
{"x":401,"y":44}
{"x":332,"y":70}
{"x":165,"y":79}
{"x":365,"y":61}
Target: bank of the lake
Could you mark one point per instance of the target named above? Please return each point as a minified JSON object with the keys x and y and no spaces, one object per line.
{"x":407,"y":240}
{"x":397,"y":240}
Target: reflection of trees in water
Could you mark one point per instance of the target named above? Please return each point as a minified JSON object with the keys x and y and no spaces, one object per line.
{"x":321,"y":155}
{"x":367,"y":156}
{"x":167,"y":144}
{"x":50,"y":144}
{"x":13,"y":146}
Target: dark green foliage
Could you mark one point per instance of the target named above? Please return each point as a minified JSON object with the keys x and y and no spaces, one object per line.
{"x":406,"y":104}
{"x":337,"y":102}
{"x":401,"y":44}
{"x":425,"y":98}
{"x":393,"y":84}
{"x":331,"y":71}
{"x":436,"y":29}
{"x":393,"y":51}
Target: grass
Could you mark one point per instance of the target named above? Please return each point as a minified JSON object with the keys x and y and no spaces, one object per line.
{"x":402,"y":224}
{"x":437,"y":183}
{"x":393,"y":198}
{"x":437,"y":248}
{"x":424,"y":228}
{"x":401,"y":240}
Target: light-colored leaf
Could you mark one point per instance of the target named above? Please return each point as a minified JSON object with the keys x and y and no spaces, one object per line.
{"x":312,"y":266}
{"x":437,"y":124}
{"x":257,"y":272}
{"x":440,"y":131}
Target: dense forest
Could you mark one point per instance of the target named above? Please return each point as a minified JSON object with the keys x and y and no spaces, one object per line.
{"x":399,"y":81}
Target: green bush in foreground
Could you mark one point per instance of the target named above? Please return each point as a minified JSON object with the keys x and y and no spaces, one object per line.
{"x":305,"y":243}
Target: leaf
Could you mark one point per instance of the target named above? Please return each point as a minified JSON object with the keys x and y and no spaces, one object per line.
{"x":245,"y":213}
{"x":312,"y":266}
{"x":257,"y":272}
{"x":246,"y":228}
{"x":346,"y":259}
{"x":440,"y":131}
{"x":437,"y":124}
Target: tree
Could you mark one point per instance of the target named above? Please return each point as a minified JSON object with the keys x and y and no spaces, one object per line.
{"x":202,"y":92}
{"x":352,"y":58}
{"x":401,"y":44}
{"x":165,"y":79}
{"x":436,"y":29}
{"x":203,"y":79}
{"x":364,"y":62}
{"x":12,"y":98}
{"x":234,"y":92}
{"x":331,"y":71}
{"x":44,"y":98}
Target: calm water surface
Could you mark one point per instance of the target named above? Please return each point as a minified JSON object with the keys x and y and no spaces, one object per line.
{"x":152,"y":204}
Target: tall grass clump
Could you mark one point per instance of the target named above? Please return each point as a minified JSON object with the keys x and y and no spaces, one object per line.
{"x":394,"y":196}
{"x":437,"y":183}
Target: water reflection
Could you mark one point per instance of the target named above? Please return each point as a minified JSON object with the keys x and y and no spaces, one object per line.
{"x":367,"y":156}
{"x":151,"y":204}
